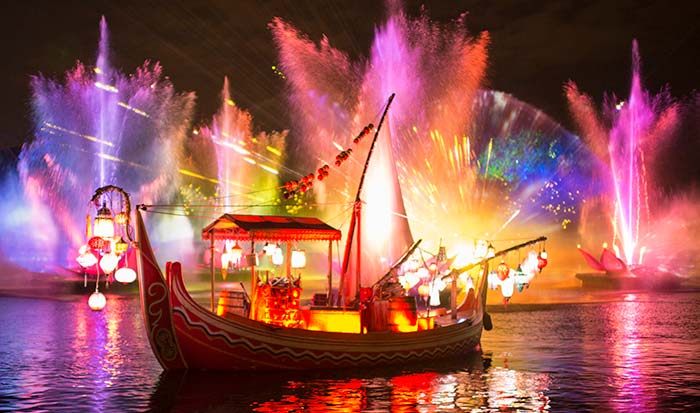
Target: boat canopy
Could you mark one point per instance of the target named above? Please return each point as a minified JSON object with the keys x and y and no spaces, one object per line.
{"x":269,"y":228}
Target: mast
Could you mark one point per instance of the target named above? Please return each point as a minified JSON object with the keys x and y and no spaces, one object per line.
{"x":355,"y":220}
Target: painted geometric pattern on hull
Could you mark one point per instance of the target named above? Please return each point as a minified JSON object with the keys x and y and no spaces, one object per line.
{"x":251,"y":347}
{"x":246,"y":354}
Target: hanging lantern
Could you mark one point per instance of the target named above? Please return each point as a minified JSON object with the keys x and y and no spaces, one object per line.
{"x":87,"y":259}
{"x":97,"y":301}
{"x":507,"y":287}
{"x":97,"y":243}
{"x":109,"y":262}
{"x":424,"y":291}
{"x":225,"y":260}
{"x":121,"y":218}
{"x":125,"y":275}
{"x":298,"y":259}
{"x":502,"y":270}
{"x":277,"y":257}
{"x":104,"y":225}
{"x":236,"y":253}
{"x":120,"y":246}
{"x":521,"y":281}
{"x":493,"y":280}
{"x":542,"y":260}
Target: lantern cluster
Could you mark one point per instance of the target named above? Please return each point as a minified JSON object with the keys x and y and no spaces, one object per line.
{"x":306,"y":183}
{"x":106,"y":246}
{"x":511,"y":280}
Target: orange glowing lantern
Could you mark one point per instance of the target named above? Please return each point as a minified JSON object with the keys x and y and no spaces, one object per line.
{"x":236,"y":253}
{"x":120,"y":246}
{"x":121,"y":218}
{"x":97,"y":243}
{"x":542,"y":261}
{"x":502,"y":270}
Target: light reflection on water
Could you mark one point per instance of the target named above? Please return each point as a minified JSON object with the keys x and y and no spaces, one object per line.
{"x":627,"y":354}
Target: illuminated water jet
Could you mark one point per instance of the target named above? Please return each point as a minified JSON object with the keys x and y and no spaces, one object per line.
{"x":627,"y":137}
{"x":98,"y":126}
{"x":248,"y":165}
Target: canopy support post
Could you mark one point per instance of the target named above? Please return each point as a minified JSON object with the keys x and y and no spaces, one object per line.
{"x":253,"y":280}
{"x":330,"y":273}
{"x":288,"y":260}
{"x":211,"y":267}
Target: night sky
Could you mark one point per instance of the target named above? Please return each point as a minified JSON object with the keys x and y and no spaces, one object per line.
{"x":536,"y":46}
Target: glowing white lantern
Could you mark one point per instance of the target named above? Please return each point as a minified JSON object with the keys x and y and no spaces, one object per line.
{"x":109,"y":262}
{"x":437,"y":285}
{"x":225,"y":260}
{"x":493,"y":280}
{"x":270,"y":248}
{"x":97,"y":301}
{"x":83,"y":249}
{"x":480,"y":250}
{"x":104,"y":225}
{"x":86,"y":260}
{"x":298,"y":259}
{"x":507,"y":287}
{"x":412,"y":279}
{"x":469,"y":284}
{"x":125,"y":275}
{"x":277,"y":256}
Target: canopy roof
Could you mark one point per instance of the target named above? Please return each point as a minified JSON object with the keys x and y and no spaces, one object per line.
{"x":269,"y":228}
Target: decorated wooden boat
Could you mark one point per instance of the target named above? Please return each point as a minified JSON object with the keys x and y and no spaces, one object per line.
{"x":267,"y":328}
{"x":184,"y":335}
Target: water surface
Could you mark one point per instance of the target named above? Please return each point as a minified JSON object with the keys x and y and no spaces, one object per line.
{"x":632,"y":352}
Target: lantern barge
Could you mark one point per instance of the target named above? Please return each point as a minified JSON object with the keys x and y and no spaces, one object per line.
{"x":375,"y":331}
{"x":267,"y":329}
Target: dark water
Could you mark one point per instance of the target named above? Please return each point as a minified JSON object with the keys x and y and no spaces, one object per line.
{"x":631,"y":353}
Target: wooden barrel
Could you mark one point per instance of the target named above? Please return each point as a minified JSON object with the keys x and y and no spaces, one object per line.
{"x":402,"y":313}
{"x":232,"y":302}
{"x":378,"y":316}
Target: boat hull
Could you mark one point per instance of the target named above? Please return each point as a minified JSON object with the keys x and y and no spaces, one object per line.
{"x":184,"y":335}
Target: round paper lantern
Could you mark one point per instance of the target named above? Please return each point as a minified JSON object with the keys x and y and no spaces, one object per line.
{"x":86,"y":260}
{"x":97,"y":301}
{"x":109,"y":262}
{"x":97,"y":243}
{"x":125,"y":275}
